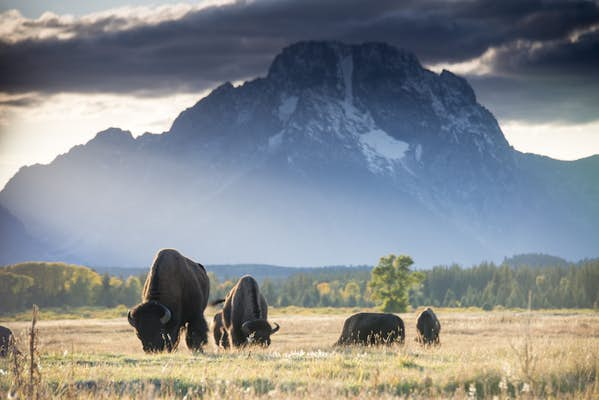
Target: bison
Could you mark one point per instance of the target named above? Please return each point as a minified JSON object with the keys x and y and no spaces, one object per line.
{"x":372,"y":329}
{"x":245,"y":315}
{"x":221,"y":338}
{"x":175,"y":294}
{"x":6,"y":340}
{"x":428,"y":328}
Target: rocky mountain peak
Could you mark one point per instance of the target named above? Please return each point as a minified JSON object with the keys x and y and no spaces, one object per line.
{"x":318,"y":64}
{"x":460,"y":84}
{"x":112,"y":137}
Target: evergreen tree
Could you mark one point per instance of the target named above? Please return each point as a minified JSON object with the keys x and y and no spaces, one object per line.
{"x":450,"y":300}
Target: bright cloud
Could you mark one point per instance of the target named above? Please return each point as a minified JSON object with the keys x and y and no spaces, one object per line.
{"x":37,"y":131}
{"x":14,"y":27}
{"x":564,"y":142}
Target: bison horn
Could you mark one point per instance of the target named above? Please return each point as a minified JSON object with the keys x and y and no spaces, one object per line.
{"x":130,"y":318}
{"x":166,"y":316}
{"x":275,"y":329}
{"x":215,"y":302}
{"x":245,"y":327}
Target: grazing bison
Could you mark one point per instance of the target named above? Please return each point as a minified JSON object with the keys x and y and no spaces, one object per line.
{"x":428,"y":328}
{"x":6,"y":340}
{"x":175,"y":293}
{"x":245,"y":315}
{"x":221,"y":338}
{"x":371,"y":329}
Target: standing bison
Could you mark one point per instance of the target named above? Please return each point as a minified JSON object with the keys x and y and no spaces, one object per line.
{"x":6,"y":341}
{"x":245,"y":315}
{"x":428,"y":328}
{"x":175,"y":293}
{"x":372,"y":329}
{"x":221,"y":338}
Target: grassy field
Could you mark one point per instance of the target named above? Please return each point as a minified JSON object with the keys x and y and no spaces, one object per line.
{"x":549,"y":354}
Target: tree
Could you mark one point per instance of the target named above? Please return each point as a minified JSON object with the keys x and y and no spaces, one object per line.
{"x":450,"y":299}
{"x":351,"y":293}
{"x":268,"y":290}
{"x":14,"y":290}
{"x":391,"y":281}
{"x":131,"y":291}
{"x":105,"y":293}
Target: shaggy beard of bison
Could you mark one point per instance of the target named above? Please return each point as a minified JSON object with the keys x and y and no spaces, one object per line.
{"x":259,"y":338}
{"x":258,"y":332}
{"x":147,"y":319}
{"x":153,"y":338}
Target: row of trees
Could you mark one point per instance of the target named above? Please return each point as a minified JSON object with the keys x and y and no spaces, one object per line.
{"x":390,"y":285}
{"x":59,"y":284}
{"x":318,"y":289}
{"x":487,"y":285}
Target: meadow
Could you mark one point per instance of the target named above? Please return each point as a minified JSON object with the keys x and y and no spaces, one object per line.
{"x":497,"y":354}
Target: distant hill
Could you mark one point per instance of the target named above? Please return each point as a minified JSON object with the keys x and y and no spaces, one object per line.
{"x":535,"y":260}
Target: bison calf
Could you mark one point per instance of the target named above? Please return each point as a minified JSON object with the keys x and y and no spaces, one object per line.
{"x":245,"y":315}
{"x":428,"y":328}
{"x":221,"y":338}
{"x":175,"y":295}
{"x":371,"y":329}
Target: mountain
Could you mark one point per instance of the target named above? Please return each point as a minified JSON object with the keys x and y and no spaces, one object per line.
{"x":339,"y":155}
{"x":16,"y":244}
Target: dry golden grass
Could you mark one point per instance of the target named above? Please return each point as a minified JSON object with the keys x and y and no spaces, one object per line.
{"x":482,"y":354}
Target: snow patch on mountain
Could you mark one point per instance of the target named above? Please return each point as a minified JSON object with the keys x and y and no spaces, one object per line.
{"x":287,"y":107}
{"x":418,"y":152}
{"x":381,"y":150}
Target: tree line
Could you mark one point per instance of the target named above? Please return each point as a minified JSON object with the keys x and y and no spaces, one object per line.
{"x":390,"y":285}
{"x":56,"y":284}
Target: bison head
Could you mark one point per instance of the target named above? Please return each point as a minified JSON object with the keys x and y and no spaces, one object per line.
{"x":149,"y":320}
{"x":258,"y":331}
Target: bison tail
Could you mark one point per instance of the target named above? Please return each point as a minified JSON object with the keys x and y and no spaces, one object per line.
{"x":215,"y":302}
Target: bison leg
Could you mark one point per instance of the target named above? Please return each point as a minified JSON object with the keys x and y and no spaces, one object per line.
{"x":197,"y":334}
{"x":221,"y":338}
{"x":224,"y":339}
{"x":217,"y":333}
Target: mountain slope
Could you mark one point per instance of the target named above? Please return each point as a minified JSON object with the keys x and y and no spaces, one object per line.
{"x":340,"y":154}
{"x":16,"y":244}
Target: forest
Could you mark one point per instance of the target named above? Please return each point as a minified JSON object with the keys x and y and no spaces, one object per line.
{"x":552,"y":282}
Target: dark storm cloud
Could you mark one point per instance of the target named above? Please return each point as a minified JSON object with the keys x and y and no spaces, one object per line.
{"x":556,"y":81}
{"x":539,"y":100}
{"x":564,"y":58}
{"x":238,"y":41}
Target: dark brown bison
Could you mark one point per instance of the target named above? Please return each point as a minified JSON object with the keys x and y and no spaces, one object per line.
{"x":245,"y":315}
{"x":428,"y":328}
{"x":372,"y":329}
{"x":6,"y":341}
{"x":221,"y":338}
{"x":175,"y":294}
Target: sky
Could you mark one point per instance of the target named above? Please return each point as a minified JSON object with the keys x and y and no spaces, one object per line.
{"x":69,"y":69}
